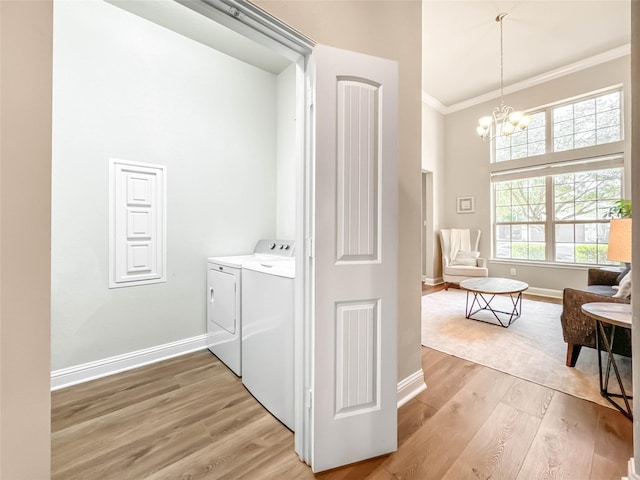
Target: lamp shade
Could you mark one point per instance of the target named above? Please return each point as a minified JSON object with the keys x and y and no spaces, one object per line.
{"x":620,"y":240}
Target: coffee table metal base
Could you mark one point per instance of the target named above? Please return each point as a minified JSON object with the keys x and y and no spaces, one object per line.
{"x":480,"y":303}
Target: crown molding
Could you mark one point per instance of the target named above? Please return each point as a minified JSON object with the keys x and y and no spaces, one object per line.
{"x":433,"y":103}
{"x":531,"y":82}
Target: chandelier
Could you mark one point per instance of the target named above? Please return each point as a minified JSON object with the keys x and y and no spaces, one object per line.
{"x":504,"y":119}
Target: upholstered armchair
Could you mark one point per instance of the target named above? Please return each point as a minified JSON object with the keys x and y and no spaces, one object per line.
{"x":579,"y":330}
{"x":460,"y":256}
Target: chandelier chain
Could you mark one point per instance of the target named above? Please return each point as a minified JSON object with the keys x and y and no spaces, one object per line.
{"x":500,"y":17}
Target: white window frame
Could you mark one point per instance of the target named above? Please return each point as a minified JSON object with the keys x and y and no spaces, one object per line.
{"x":582,"y":152}
{"x":548,"y":171}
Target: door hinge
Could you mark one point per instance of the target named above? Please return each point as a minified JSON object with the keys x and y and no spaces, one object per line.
{"x":309,"y":402}
{"x":310,"y":252}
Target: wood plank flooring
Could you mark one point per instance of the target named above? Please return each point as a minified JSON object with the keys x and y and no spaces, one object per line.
{"x":191,"y":418}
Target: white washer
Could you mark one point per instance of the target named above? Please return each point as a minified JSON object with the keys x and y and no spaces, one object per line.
{"x":267,"y":335}
{"x":224,"y":304}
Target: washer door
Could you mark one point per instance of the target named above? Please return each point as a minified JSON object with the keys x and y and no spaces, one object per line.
{"x":221,"y":296}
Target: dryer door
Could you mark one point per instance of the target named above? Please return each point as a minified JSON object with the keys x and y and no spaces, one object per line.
{"x":222,"y":305}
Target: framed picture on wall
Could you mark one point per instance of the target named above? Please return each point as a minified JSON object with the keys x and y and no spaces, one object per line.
{"x":466,"y":204}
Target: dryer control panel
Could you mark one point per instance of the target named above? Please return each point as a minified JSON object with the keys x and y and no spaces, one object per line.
{"x":281,"y":248}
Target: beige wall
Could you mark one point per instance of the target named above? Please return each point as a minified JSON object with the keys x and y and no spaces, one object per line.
{"x":25,"y":202}
{"x":433,"y":162}
{"x":389,"y":29}
{"x":467,"y":163}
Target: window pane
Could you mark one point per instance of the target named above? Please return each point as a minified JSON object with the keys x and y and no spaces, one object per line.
{"x":565,"y":253}
{"x":562,"y":113}
{"x":564,"y":233}
{"x":503,"y":214}
{"x":577,"y":196}
{"x":608,"y":135}
{"x":537,"y":251}
{"x":503,"y":232}
{"x":594,"y":121}
{"x":565,"y":211}
{"x":585,"y":108}
{"x":503,"y":250}
{"x":585,"y":124}
{"x":525,"y":143}
{"x":608,"y":101}
{"x":585,"y":139}
{"x":586,"y":253}
{"x":561,"y":129}
{"x":503,"y":154}
{"x":536,"y":233}
{"x":563,"y":143}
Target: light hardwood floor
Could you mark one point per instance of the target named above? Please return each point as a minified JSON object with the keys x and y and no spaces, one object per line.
{"x":191,"y":418}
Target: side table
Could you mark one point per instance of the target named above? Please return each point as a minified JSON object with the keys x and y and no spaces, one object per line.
{"x":616,"y":315}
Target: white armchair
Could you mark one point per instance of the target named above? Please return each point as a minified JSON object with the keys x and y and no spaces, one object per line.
{"x":460,"y":257}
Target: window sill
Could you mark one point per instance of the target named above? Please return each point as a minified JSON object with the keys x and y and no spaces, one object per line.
{"x":564,"y":266}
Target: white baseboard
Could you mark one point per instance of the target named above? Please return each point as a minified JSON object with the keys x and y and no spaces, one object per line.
{"x":632,"y":475}
{"x":544,"y":292}
{"x":410,"y":387}
{"x":432,"y":281}
{"x":66,"y":377}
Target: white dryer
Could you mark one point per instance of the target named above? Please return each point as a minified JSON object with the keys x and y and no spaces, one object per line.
{"x":268,"y":335}
{"x":224,"y":299}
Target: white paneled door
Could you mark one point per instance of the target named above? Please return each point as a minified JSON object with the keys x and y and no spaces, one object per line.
{"x":353,"y":407}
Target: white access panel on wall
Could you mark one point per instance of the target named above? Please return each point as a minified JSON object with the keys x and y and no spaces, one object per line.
{"x":137,"y":223}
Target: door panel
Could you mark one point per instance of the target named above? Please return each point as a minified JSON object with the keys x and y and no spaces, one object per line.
{"x":354,"y":410}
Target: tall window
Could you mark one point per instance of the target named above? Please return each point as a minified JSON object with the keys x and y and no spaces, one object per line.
{"x":593,"y":120}
{"x":556,"y":218}
{"x":554,"y":182}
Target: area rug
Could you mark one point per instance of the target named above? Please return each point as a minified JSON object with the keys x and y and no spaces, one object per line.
{"x":532,"y":348}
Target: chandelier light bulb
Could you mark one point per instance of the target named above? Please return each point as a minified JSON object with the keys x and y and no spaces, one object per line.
{"x":485,"y":122}
{"x":515,"y":117}
{"x":482,"y":131}
{"x":508,"y":128}
{"x":524,"y":122}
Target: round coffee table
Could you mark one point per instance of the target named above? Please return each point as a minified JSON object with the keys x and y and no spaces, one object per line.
{"x":485,"y":289}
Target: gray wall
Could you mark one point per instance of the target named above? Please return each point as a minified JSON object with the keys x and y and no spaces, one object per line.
{"x":129,"y":89}
{"x":467,"y":164}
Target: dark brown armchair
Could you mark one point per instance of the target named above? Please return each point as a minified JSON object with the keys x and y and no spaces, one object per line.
{"x":578,"y":329}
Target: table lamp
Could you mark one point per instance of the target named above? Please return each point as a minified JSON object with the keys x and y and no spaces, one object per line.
{"x":620,"y":240}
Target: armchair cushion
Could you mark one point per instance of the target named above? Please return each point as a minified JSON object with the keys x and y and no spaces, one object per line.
{"x":469,"y":259}
{"x":465,"y":271}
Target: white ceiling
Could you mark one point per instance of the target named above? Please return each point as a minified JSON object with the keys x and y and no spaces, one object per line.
{"x":461,"y":41}
{"x":191,"y":24}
